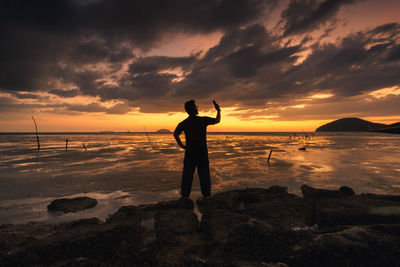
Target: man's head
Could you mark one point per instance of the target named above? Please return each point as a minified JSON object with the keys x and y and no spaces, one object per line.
{"x":191,"y":108}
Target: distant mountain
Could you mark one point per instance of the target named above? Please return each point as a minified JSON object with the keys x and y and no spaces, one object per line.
{"x":163,"y":131}
{"x":350,"y":125}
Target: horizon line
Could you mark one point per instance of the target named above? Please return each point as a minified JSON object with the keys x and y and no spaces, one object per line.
{"x":171,"y":132}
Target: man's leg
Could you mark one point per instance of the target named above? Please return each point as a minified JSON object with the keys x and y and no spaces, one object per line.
{"x":189,"y":167}
{"x":203,"y":169}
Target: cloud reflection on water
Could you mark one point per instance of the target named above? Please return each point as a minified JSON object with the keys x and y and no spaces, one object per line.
{"x":129,"y":163}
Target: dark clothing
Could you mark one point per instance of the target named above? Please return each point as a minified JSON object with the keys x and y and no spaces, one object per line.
{"x":196,"y":158}
{"x":196,"y":154}
{"x":195,"y":129}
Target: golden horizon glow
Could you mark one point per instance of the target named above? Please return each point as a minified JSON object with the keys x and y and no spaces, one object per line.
{"x":153,"y":122}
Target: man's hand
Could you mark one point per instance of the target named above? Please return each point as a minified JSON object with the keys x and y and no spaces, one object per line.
{"x":216,"y":106}
{"x":183,"y":147}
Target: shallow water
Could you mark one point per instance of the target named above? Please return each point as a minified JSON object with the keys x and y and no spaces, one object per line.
{"x":124,"y":169}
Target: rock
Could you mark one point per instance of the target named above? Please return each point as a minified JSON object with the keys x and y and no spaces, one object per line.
{"x":83,"y":223}
{"x":232,"y":200}
{"x":252,"y":224}
{"x":257,"y":264}
{"x":225,"y":200}
{"x":273,"y":205}
{"x":313,"y":193}
{"x":218,"y":225}
{"x":256,"y":241}
{"x":169,"y":226}
{"x":331,"y":208}
{"x":279,"y":210}
{"x":126,"y":213}
{"x":393,"y":198}
{"x":371,"y":245}
{"x":98,"y":243}
{"x":248,"y":227}
{"x":165,"y":206}
{"x":72,"y":204}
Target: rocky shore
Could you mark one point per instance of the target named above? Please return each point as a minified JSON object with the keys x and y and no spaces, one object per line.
{"x":249,"y":227}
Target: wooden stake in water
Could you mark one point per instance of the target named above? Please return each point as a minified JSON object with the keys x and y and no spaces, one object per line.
{"x":269,"y":156}
{"x":66,"y":144}
{"x":148,"y":136}
{"x":37,"y":135}
{"x":226,"y":137}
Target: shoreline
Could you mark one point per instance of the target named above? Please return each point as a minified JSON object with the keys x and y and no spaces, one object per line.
{"x":244,"y":227}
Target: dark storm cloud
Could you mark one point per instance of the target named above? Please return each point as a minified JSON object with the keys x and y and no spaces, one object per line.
{"x":38,"y":36}
{"x":243,"y":57}
{"x":65,"y":93}
{"x":394,"y":53}
{"x":9,"y":104}
{"x":157,"y":63}
{"x":304,"y":15}
{"x":250,"y":68}
{"x":388,"y":27}
{"x":52,"y":45}
{"x":355,"y":65}
{"x":25,"y":96}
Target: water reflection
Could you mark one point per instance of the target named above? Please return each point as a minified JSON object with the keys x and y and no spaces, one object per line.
{"x":128,"y":162}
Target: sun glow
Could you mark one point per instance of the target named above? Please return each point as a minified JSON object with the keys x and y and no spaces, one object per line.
{"x":394,"y":90}
{"x":321,"y":96}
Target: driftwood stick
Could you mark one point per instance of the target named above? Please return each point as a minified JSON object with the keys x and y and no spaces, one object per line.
{"x":148,"y":136}
{"x":37,"y":135}
{"x":269,"y":156}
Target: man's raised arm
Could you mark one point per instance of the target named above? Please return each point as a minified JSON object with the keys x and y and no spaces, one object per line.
{"x":218,"y":118}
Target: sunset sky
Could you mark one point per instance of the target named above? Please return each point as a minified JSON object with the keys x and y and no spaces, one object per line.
{"x":118,"y":65}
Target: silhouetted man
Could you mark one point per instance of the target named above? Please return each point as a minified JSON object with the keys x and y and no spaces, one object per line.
{"x":196,"y":154}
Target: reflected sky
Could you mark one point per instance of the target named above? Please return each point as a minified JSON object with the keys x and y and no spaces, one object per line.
{"x":130,"y":163}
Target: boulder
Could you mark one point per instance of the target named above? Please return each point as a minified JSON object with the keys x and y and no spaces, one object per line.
{"x":369,"y":245}
{"x":125,"y":213}
{"x":252,"y":224}
{"x":170,"y":226}
{"x":314,"y":193}
{"x":72,"y":204}
{"x":236,"y":199}
{"x":100,"y":244}
{"x":332,"y":208}
{"x":248,"y":227}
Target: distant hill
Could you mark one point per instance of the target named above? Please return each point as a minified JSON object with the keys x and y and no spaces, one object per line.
{"x":350,"y":125}
{"x":163,"y":131}
{"x":391,"y":128}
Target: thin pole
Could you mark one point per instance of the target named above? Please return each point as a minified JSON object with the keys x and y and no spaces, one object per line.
{"x":148,"y":137}
{"x":269,"y":156}
{"x":37,"y":135}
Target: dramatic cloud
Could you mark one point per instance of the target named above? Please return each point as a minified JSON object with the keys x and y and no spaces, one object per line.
{"x":304,"y":15}
{"x":40,"y":37}
{"x":65,"y":93}
{"x":104,"y":51}
{"x":96,"y":107}
{"x":348,"y":107}
{"x":158,"y":63}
